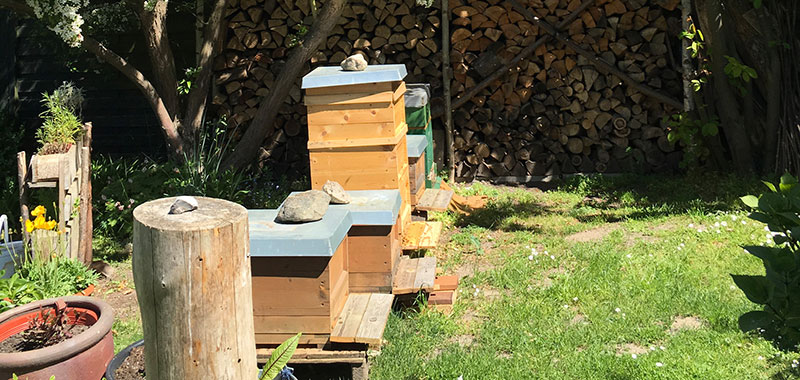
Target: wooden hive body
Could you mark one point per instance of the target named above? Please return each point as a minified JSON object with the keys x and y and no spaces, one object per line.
{"x":373,"y":240}
{"x":416,"y":166}
{"x":300,"y":278}
{"x":357,"y":130}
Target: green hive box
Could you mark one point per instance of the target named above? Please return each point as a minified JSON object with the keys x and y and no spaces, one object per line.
{"x":418,"y":118}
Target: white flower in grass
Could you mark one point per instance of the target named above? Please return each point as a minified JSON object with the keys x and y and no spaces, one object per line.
{"x":744,"y":222}
{"x":699,"y":230}
{"x":724,"y":224}
{"x":566,"y":306}
{"x":683,"y":245}
{"x":795,"y":363}
{"x":617,"y":310}
{"x":628,"y":255}
{"x":552,"y":257}
{"x":691,"y":225}
{"x":734,"y":217}
{"x":662,"y":348}
{"x":716,"y":224}
{"x":530,"y":258}
{"x":760,"y":357}
{"x":575,"y":299}
{"x":659,"y":364}
{"x":633,"y":356}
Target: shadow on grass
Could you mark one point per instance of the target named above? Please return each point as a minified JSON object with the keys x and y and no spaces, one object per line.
{"x":505,"y":215}
{"x":643,"y":197}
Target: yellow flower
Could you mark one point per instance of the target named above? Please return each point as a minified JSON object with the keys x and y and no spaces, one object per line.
{"x":28,"y":225}
{"x":51,"y":224}
{"x":39,"y":211}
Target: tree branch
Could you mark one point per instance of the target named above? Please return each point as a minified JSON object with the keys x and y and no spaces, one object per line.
{"x":162,"y":60}
{"x":213,"y":36}
{"x":247,"y":148}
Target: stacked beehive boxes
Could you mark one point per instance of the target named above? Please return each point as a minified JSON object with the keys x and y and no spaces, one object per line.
{"x":357,"y":130}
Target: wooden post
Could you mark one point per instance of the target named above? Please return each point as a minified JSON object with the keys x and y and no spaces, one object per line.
{"x":85,"y":218}
{"x":22,"y":183}
{"x":446,"y":68}
{"x":193,"y":282}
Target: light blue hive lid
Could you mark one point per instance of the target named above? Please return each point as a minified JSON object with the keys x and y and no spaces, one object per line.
{"x":320,"y":238}
{"x":329,"y":76}
{"x":416,"y":145}
{"x":372,"y":207}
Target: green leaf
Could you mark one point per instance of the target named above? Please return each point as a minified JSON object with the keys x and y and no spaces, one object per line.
{"x":757,"y":3}
{"x":750,"y":201}
{"x":756,"y":319}
{"x":756,"y":288}
{"x":779,"y":259}
{"x":770,"y":186}
{"x":279,"y":358}
{"x":709,"y":129}
{"x":791,"y":217}
{"x":761,"y":217}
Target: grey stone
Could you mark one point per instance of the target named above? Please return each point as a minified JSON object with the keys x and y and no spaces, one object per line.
{"x":308,"y":206}
{"x":355,"y":62}
{"x":337,"y":193}
{"x":183,"y":204}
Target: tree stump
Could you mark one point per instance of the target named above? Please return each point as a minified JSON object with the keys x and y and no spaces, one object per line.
{"x":192,"y":276}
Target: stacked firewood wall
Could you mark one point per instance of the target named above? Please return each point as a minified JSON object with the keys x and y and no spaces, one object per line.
{"x":554,"y":113}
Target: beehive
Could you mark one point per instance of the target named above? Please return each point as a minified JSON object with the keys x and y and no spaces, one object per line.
{"x":357,"y":129}
{"x":373,"y":240}
{"x":416,"y":166}
{"x":300,"y":278}
{"x":418,"y":118}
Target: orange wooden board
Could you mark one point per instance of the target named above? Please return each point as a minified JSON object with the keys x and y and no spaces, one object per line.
{"x":421,"y":235}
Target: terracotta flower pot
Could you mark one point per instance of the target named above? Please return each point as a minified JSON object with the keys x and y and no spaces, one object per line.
{"x":85,"y":356}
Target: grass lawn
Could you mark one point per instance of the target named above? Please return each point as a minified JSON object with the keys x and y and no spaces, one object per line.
{"x":624,"y":278}
{"x":599,"y":279}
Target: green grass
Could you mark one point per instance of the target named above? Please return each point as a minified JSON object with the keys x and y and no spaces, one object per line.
{"x":577,"y":314}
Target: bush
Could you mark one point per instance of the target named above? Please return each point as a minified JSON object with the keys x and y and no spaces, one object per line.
{"x":779,"y":289}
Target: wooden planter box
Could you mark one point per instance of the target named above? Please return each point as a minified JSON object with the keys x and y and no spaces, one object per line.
{"x":357,"y":130}
{"x":300,"y":277}
{"x":48,"y":167}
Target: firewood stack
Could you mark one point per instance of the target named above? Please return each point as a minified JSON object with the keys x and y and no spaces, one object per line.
{"x":554,"y":113}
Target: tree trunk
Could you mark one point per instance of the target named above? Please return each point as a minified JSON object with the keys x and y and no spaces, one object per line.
{"x":247,"y":148}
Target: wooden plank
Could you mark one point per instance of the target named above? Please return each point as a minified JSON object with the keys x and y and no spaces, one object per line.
{"x":328,"y":132}
{"x":430,"y":235}
{"x":350,"y":98}
{"x":426,"y":273}
{"x":276,"y":339}
{"x":374,"y":320}
{"x":435,"y":200}
{"x":284,"y":324}
{"x":348,"y":322}
{"x":361,"y":142}
{"x":404,"y":276}
{"x":352,"y":113}
{"x":364,"y":87}
{"x":316,"y":356}
{"x":445,"y":283}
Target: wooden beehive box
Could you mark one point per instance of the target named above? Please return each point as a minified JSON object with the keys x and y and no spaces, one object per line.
{"x":300,"y":278}
{"x":357,"y":130}
{"x":373,"y":240}
{"x":416,"y":166}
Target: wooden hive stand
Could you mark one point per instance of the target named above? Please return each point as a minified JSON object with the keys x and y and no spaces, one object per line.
{"x":416,"y":166}
{"x":357,"y":130}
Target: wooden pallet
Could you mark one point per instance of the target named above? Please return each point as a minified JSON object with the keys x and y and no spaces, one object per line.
{"x":421,"y":235}
{"x":413,"y":275}
{"x":435,"y":200}
{"x":357,"y":359}
{"x":363,"y":319}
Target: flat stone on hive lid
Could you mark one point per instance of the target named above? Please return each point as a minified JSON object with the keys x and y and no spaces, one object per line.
{"x":330,"y":76}
{"x":416,"y":145}
{"x":320,"y":238}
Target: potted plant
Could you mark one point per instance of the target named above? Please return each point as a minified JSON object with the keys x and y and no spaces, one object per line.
{"x":130,"y":362}
{"x":68,"y":337}
{"x":61,"y":125}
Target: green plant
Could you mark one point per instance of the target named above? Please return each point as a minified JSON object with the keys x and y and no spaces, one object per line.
{"x":690,"y":133}
{"x":57,"y":276}
{"x":17,"y":291}
{"x":202,"y":173}
{"x":61,"y":123}
{"x":276,"y":364}
{"x":295,"y":39}
{"x":186,"y":83}
{"x":779,"y":290}
{"x":739,"y":73}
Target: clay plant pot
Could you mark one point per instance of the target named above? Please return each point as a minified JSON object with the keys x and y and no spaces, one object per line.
{"x":120,"y":358}
{"x":85,"y":356}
